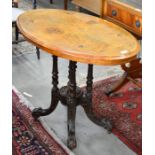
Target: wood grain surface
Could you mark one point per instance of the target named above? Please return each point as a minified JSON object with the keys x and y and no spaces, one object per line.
{"x":78,"y":37}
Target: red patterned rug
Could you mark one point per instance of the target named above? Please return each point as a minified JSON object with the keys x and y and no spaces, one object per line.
{"x":29,"y":137}
{"x":123,"y":108}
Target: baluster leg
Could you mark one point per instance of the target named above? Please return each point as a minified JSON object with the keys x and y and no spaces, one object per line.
{"x":87,"y":103}
{"x":71,"y":103}
{"x":54,"y":93}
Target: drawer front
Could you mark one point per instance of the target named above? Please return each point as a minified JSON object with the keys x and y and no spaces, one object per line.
{"x":128,"y":18}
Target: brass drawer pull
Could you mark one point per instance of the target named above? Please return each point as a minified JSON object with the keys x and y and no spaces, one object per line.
{"x":114,"y":13}
{"x":137,"y":23}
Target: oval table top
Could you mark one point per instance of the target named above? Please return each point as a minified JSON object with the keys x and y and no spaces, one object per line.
{"x":78,"y":37}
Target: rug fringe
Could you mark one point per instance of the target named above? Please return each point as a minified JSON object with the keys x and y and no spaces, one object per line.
{"x":47,"y":128}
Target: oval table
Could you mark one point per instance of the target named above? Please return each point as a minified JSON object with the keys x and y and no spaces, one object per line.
{"x":81,"y":38}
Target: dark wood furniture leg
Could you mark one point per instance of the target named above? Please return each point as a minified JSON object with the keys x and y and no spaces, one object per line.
{"x":54,"y":94}
{"x":16,"y":33}
{"x":38,"y":52}
{"x":87,"y":103}
{"x":34,"y":4}
{"x":71,"y":103}
{"x":65,"y":4}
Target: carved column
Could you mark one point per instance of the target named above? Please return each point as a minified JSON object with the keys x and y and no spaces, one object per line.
{"x":89,"y":84}
{"x":54,"y":93}
{"x":87,"y":103}
{"x":71,"y":103}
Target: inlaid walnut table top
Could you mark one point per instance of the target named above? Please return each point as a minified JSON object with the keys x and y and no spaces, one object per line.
{"x":78,"y":37}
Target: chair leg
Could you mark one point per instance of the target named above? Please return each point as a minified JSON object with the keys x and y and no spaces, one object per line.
{"x":65,"y":4}
{"x":34,"y":4}
{"x":16,"y":33}
{"x":38,"y":53}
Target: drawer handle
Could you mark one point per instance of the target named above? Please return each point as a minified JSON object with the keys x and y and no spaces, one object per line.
{"x":114,"y":12}
{"x":137,"y":23}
